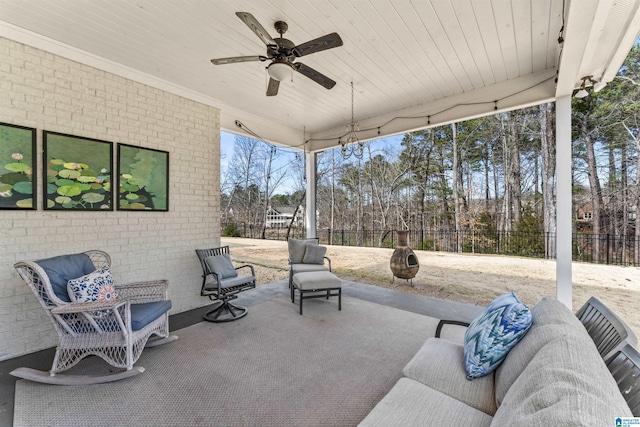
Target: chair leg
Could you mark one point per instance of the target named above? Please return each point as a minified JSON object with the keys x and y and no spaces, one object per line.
{"x":225,"y":312}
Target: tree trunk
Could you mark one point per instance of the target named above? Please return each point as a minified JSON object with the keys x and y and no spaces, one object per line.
{"x":594,"y":181}
{"x":456,"y":196}
{"x":272,"y":152}
{"x":548,"y":176}
{"x":295,"y":213}
{"x":516,"y":184}
{"x":612,"y":188}
{"x":333,"y":197}
{"x":506,"y":219}
{"x":624,"y":182}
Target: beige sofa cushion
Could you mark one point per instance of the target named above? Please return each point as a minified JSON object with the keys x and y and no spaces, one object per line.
{"x":439,"y":364}
{"x":551,"y":319}
{"x":565,"y":384}
{"x":410,"y":403}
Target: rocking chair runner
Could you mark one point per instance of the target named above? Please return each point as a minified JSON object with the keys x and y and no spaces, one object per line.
{"x":116,"y":330}
{"x":221,"y":282}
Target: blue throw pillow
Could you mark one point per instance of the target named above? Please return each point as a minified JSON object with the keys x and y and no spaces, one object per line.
{"x":222,"y":266}
{"x":490,"y":337}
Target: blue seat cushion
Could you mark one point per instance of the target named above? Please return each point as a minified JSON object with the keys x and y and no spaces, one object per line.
{"x":145,"y":313}
{"x":63,"y":268}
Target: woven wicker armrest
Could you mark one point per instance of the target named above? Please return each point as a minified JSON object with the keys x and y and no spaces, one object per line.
{"x":85,"y":307}
{"x":147,"y":291}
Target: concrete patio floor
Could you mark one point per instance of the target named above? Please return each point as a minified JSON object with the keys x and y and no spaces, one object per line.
{"x":438,"y":308}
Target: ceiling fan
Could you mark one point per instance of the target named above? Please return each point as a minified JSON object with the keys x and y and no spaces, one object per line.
{"x":282,"y":53}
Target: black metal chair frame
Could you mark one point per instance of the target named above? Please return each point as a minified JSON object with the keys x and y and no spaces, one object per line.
{"x":213,"y":288}
{"x":608,"y":331}
{"x":624,"y":366}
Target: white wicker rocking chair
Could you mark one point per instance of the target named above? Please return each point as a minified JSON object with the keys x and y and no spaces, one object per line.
{"x":115,"y":330}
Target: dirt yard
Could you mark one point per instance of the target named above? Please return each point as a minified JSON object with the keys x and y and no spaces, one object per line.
{"x":474,"y":279}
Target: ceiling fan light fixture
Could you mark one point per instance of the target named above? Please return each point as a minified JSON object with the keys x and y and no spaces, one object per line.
{"x":598,"y":86}
{"x":279,"y":71}
{"x":581,"y":93}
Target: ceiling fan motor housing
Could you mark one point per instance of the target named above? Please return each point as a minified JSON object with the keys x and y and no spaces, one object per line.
{"x":283,"y":51}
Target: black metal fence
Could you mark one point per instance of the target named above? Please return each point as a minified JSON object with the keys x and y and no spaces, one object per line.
{"x":592,"y":248}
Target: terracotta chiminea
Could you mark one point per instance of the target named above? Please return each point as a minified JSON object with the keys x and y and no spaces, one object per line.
{"x":404,"y":263}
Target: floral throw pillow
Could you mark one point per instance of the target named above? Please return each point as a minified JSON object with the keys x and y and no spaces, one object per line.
{"x":497,"y":330}
{"x":92,"y":287}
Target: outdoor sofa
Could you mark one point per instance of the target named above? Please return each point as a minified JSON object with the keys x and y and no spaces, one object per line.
{"x":553,"y":376}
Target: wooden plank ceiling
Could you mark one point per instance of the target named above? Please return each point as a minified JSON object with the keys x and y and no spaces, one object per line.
{"x":405,"y":57}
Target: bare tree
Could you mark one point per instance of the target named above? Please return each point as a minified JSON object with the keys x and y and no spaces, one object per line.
{"x":455,"y":184}
{"x":548,"y":173}
{"x":582,"y":120}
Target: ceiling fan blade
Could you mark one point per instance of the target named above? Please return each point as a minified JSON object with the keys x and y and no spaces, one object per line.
{"x":272,"y":89}
{"x":255,"y":26}
{"x":316,"y":45}
{"x":317,"y":77}
{"x":234,"y":59}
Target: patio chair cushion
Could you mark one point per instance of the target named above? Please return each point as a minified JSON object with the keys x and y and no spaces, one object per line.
{"x":297,"y":249}
{"x":222,"y":266}
{"x":233,"y":281}
{"x":497,"y":330}
{"x":61,"y":269}
{"x":144,"y":313}
{"x":95,"y":286}
{"x":305,"y":268}
{"x":314,"y":254}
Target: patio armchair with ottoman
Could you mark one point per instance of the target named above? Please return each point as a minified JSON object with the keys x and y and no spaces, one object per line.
{"x":553,"y":376}
{"x":95,"y":317}
{"x":302,"y":260}
{"x":308,"y":273}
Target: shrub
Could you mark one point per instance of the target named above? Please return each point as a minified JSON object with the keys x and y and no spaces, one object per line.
{"x":231,"y":231}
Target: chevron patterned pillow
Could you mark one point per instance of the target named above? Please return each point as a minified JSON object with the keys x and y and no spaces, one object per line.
{"x":489,"y":338}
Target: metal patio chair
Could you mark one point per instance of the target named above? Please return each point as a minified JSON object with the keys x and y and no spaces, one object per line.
{"x":624,"y":365}
{"x":608,"y":331}
{"x":297,"y":264}
{"x":221,"y":282}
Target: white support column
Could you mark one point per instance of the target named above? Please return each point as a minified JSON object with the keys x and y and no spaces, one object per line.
{"x":310,"y":211}
{"x":564,"y":211}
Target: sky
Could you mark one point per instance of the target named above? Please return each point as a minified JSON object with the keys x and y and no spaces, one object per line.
{"x":227,"y":141}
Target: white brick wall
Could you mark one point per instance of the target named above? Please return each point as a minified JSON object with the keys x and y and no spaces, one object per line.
{"x":48,"y":92}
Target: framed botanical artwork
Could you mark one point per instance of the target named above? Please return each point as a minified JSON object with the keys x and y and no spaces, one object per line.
{"x":77,"y":173}
{"x":143,"y":179}
{"x":17,"y":167}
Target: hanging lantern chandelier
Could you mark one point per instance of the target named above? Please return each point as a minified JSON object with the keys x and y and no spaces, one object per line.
{"x":351,"y":145}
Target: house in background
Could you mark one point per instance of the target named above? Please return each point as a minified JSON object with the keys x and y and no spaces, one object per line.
{"x":281,"y":216}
